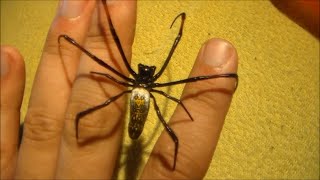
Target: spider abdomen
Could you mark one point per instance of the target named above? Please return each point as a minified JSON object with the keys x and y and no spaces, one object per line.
{"x":139,"y":108}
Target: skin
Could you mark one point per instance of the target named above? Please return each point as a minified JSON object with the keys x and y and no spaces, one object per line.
{"x":49,"y":149}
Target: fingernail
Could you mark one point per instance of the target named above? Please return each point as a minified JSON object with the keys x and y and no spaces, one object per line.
{"x":4,"y":63}
{"x":218,"y":52}
{"x":72,"y":8}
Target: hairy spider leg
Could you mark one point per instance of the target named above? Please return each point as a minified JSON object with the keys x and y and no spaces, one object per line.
{"x":169,"y":130}
{"x":117,"y":40}
{"x":90,"y":110}
{"x":175,"y":44}
{"x":199,"y":78}
{"x":93,"y":57}
{"x":174,"y":99}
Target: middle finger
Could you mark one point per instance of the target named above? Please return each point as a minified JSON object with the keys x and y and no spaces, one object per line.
{"x":99,"y":133}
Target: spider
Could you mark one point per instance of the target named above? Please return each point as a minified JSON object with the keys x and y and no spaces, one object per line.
{"x":142,"y":86}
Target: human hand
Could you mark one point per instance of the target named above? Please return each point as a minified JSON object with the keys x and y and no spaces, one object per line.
{"x":63,"y":87}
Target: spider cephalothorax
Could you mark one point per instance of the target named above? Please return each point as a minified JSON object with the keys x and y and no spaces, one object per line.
{"x":145,"y":75}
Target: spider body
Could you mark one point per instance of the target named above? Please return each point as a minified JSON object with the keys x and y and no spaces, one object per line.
{"x":142,"y":85}
{"x":140,"y":100}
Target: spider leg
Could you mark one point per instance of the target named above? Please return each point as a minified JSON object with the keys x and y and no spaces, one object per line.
{"x":169,"y":130}
{"x":93,"y":57}
{"x":174,"y":99}
{"x":117,"y":40}
{"x":112,"y":78}
{"x":199,"y":78}
{"x":175,"y":44}
{"x":90,"y":110}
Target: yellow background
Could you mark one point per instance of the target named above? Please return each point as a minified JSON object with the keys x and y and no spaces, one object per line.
{"x":272,"y":129}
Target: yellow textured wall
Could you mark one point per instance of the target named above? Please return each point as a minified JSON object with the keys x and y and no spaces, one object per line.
{"x":272,"y":129}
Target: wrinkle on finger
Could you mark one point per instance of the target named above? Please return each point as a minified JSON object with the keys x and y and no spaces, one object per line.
{"x":41,"y":126}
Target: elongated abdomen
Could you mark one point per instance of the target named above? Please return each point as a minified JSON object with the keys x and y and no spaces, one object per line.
{"x":139,"y":108}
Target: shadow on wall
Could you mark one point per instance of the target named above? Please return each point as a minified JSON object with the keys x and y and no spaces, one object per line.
{"x":304,"y":13}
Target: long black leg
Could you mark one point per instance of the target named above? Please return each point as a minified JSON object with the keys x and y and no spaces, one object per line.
{"x":174,"y":99}
{"x":175,"y":44}
{"x":90,"y":110}
{"x":169,"y":130}
{"x":117,"y":40}
{"x":199,"y":78}
{"x":112,"y":78}
{"x":93,"y":57}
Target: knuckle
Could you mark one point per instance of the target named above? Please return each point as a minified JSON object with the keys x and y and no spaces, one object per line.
{"x":40,"y":126}
{"x":61,"y":48}
{"x":92,"y":121}
{"x":52,"y":46}
{"x":202,"y":101}
{"x":57,"y":45}
{"x":206,"y":100}
{"x":208,"y":95}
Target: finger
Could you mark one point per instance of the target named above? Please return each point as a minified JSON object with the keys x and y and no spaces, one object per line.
{"x":12,"y":87}
{"x":99,"y":132}
{"x":51,"y":91}
{"x":208,"y":102}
